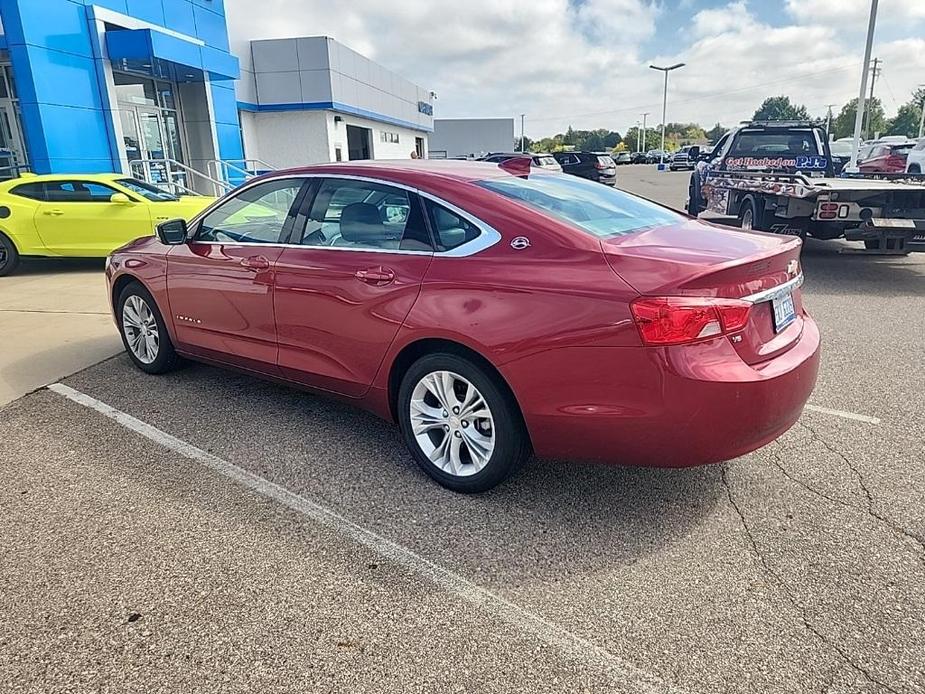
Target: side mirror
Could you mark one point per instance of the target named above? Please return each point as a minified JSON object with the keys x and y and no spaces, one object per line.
{"x":120,"y":199}
{"x":172,"y":232}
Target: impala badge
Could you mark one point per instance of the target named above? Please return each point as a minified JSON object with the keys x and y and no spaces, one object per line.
{"x":520,"y":243}
{"x":792,"y":268}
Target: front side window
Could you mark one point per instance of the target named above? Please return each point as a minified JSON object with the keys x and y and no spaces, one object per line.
{"x":256,"y":215}
{"x":591,"y":207}
{"x":78,"y":191}
{"x":146,"y":190}
{"x":363,"y":215}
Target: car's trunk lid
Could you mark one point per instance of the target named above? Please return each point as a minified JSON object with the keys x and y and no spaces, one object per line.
{"x":698,"y":259}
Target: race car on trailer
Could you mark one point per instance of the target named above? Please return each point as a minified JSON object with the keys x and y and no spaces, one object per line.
{"x":779,"y":176}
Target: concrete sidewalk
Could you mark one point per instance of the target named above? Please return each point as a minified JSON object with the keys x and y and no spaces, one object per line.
{"x":54,"y":320}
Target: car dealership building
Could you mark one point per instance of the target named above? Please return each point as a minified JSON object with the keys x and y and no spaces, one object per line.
{"x":156,"y":88}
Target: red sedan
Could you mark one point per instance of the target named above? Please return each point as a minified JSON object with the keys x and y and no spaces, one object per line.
{"x":886,"y":158}
{"x":491,"y":311}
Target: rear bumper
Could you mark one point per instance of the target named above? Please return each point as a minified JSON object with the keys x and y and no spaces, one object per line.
{"x":674,"y":407}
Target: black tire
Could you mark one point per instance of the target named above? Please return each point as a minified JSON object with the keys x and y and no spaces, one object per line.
{"x":9,"y":256}
{"x":511,"y":442}
{"x":166,"y":358}
{"x":751,"y":208}
{"x":915,"y":169}
{"x":694,"y":195}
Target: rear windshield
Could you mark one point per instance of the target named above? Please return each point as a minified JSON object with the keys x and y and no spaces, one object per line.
{"x":545,"y":161}
{"x":146,"y":190}
{"x":605,"y":160}
{"x":592,"y":207}
{"x":774,"y":143}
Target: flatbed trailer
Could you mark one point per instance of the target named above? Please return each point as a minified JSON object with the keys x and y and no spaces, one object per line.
{"x":800,"y":195}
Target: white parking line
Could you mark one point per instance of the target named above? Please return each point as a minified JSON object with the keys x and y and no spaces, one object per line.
{"x":842,"y":413}
{"x":570,"y":644}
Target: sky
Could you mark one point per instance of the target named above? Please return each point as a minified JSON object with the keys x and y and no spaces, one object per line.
{"x":585,"y":63}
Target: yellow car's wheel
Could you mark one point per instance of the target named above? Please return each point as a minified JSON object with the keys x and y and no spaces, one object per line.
{"x":9,"y":256}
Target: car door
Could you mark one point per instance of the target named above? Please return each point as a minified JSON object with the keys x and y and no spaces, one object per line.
{"x":78,"y":218}
{"x":874,"y":161}
{"x":357,"y":256}
{"x":220,"y":283}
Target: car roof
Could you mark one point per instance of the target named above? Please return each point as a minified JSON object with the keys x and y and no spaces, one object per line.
{"x":46,"y":178}
{"x":405,"y":170}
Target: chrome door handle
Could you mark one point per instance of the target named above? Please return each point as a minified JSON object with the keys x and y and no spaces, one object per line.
{"x":376,"y":275}
{"x":255,"y":262}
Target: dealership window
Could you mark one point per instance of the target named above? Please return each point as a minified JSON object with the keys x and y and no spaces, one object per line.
{"x":391,"y":138}
{"x":363,"y":215}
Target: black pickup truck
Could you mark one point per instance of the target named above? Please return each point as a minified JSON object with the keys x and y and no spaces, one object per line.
{"x":779,"y":176}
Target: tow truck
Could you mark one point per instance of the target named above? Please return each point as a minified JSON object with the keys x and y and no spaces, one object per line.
{"x":779,"y":177}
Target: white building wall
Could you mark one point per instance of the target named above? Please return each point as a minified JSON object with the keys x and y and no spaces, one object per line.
{"x":337,"y":132}
{"x":288,"y":138}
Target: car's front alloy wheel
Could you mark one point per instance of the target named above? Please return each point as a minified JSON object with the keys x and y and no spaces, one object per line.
{"x":461,"y":425}
{"x":143,"y":331}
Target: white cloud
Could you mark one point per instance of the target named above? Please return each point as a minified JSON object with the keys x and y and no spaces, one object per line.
{"x":585,"y":63}
{"x":854,"y":12}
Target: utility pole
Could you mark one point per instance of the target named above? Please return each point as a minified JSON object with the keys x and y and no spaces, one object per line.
{"x":828,"y":121}
{"x":522,"y":138}
{"x":666,"y":70}
{"x":859,"y":115}
{"x":642,"y":146}
{"x":874,"y":73}
{"x":922,"y":119}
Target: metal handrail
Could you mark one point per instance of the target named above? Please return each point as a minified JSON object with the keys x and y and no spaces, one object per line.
{"x":219,"y":187}
{"x":222,"y":168}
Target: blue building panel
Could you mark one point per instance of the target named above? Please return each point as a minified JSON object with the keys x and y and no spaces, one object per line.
{"x":61,"y":78}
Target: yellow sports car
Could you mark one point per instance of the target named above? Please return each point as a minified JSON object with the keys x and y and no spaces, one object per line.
{"x":82,"y":216}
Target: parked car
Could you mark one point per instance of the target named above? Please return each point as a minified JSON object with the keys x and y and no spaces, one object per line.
{"x":543,"y":161}
{"x":638,"y":158}
{"x":491,"y":313}
{"x":915,"y":161}
{"x":590,"y":165}
{"x":682,"y":159}
{"x":886,"y":158}
{"x":621,"y":158}
{"x":81,"y":215}
{"x":841,"y":153}
{"x":654,"y":156}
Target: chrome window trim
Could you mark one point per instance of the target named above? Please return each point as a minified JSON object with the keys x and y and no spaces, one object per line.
{"x":488,"y":237}
{"x":775,"y":292}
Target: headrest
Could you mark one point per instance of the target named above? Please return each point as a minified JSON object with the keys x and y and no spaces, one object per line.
{"x":360,"y":221}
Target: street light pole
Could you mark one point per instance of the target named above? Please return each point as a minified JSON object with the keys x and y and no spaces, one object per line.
{"x":522,"y":137}
{"x":666,"y":70}
{"x":643,"y":143}
{"x":859,"y":111}
{"x":828,"y":121}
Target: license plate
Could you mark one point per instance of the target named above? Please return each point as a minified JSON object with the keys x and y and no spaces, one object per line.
{"x":784,"y":313}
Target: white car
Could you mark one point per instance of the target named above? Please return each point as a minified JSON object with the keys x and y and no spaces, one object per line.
{"x":915,"y":162}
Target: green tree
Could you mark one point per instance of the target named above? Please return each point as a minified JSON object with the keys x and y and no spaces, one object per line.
{"x":780,"y":108}
{"x":843,"y":126}
{"x":716,"y":132}
{"x":907,"y":119}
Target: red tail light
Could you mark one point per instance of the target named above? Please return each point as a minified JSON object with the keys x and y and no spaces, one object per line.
{"x":676,"y":320}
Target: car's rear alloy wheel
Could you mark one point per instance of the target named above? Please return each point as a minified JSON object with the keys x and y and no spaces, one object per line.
{"x":462,"y":429}
{"x":143,"y":331}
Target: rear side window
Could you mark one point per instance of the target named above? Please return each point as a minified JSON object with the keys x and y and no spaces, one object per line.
{"x":451,"y":229}
{"x":365,"y":215}
{"x":33,"y":191}
{"x":598,"y":210}
{"x":78,"y":191}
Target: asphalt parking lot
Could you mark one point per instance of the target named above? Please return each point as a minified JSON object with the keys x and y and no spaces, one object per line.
{"x":218,"y":533}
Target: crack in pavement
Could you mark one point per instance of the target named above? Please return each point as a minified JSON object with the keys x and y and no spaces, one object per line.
{"x":871,"y":510}
{"x":808,"y":625}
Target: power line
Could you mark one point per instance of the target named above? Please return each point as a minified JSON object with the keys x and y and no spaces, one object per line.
{"x":700,"y":97}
